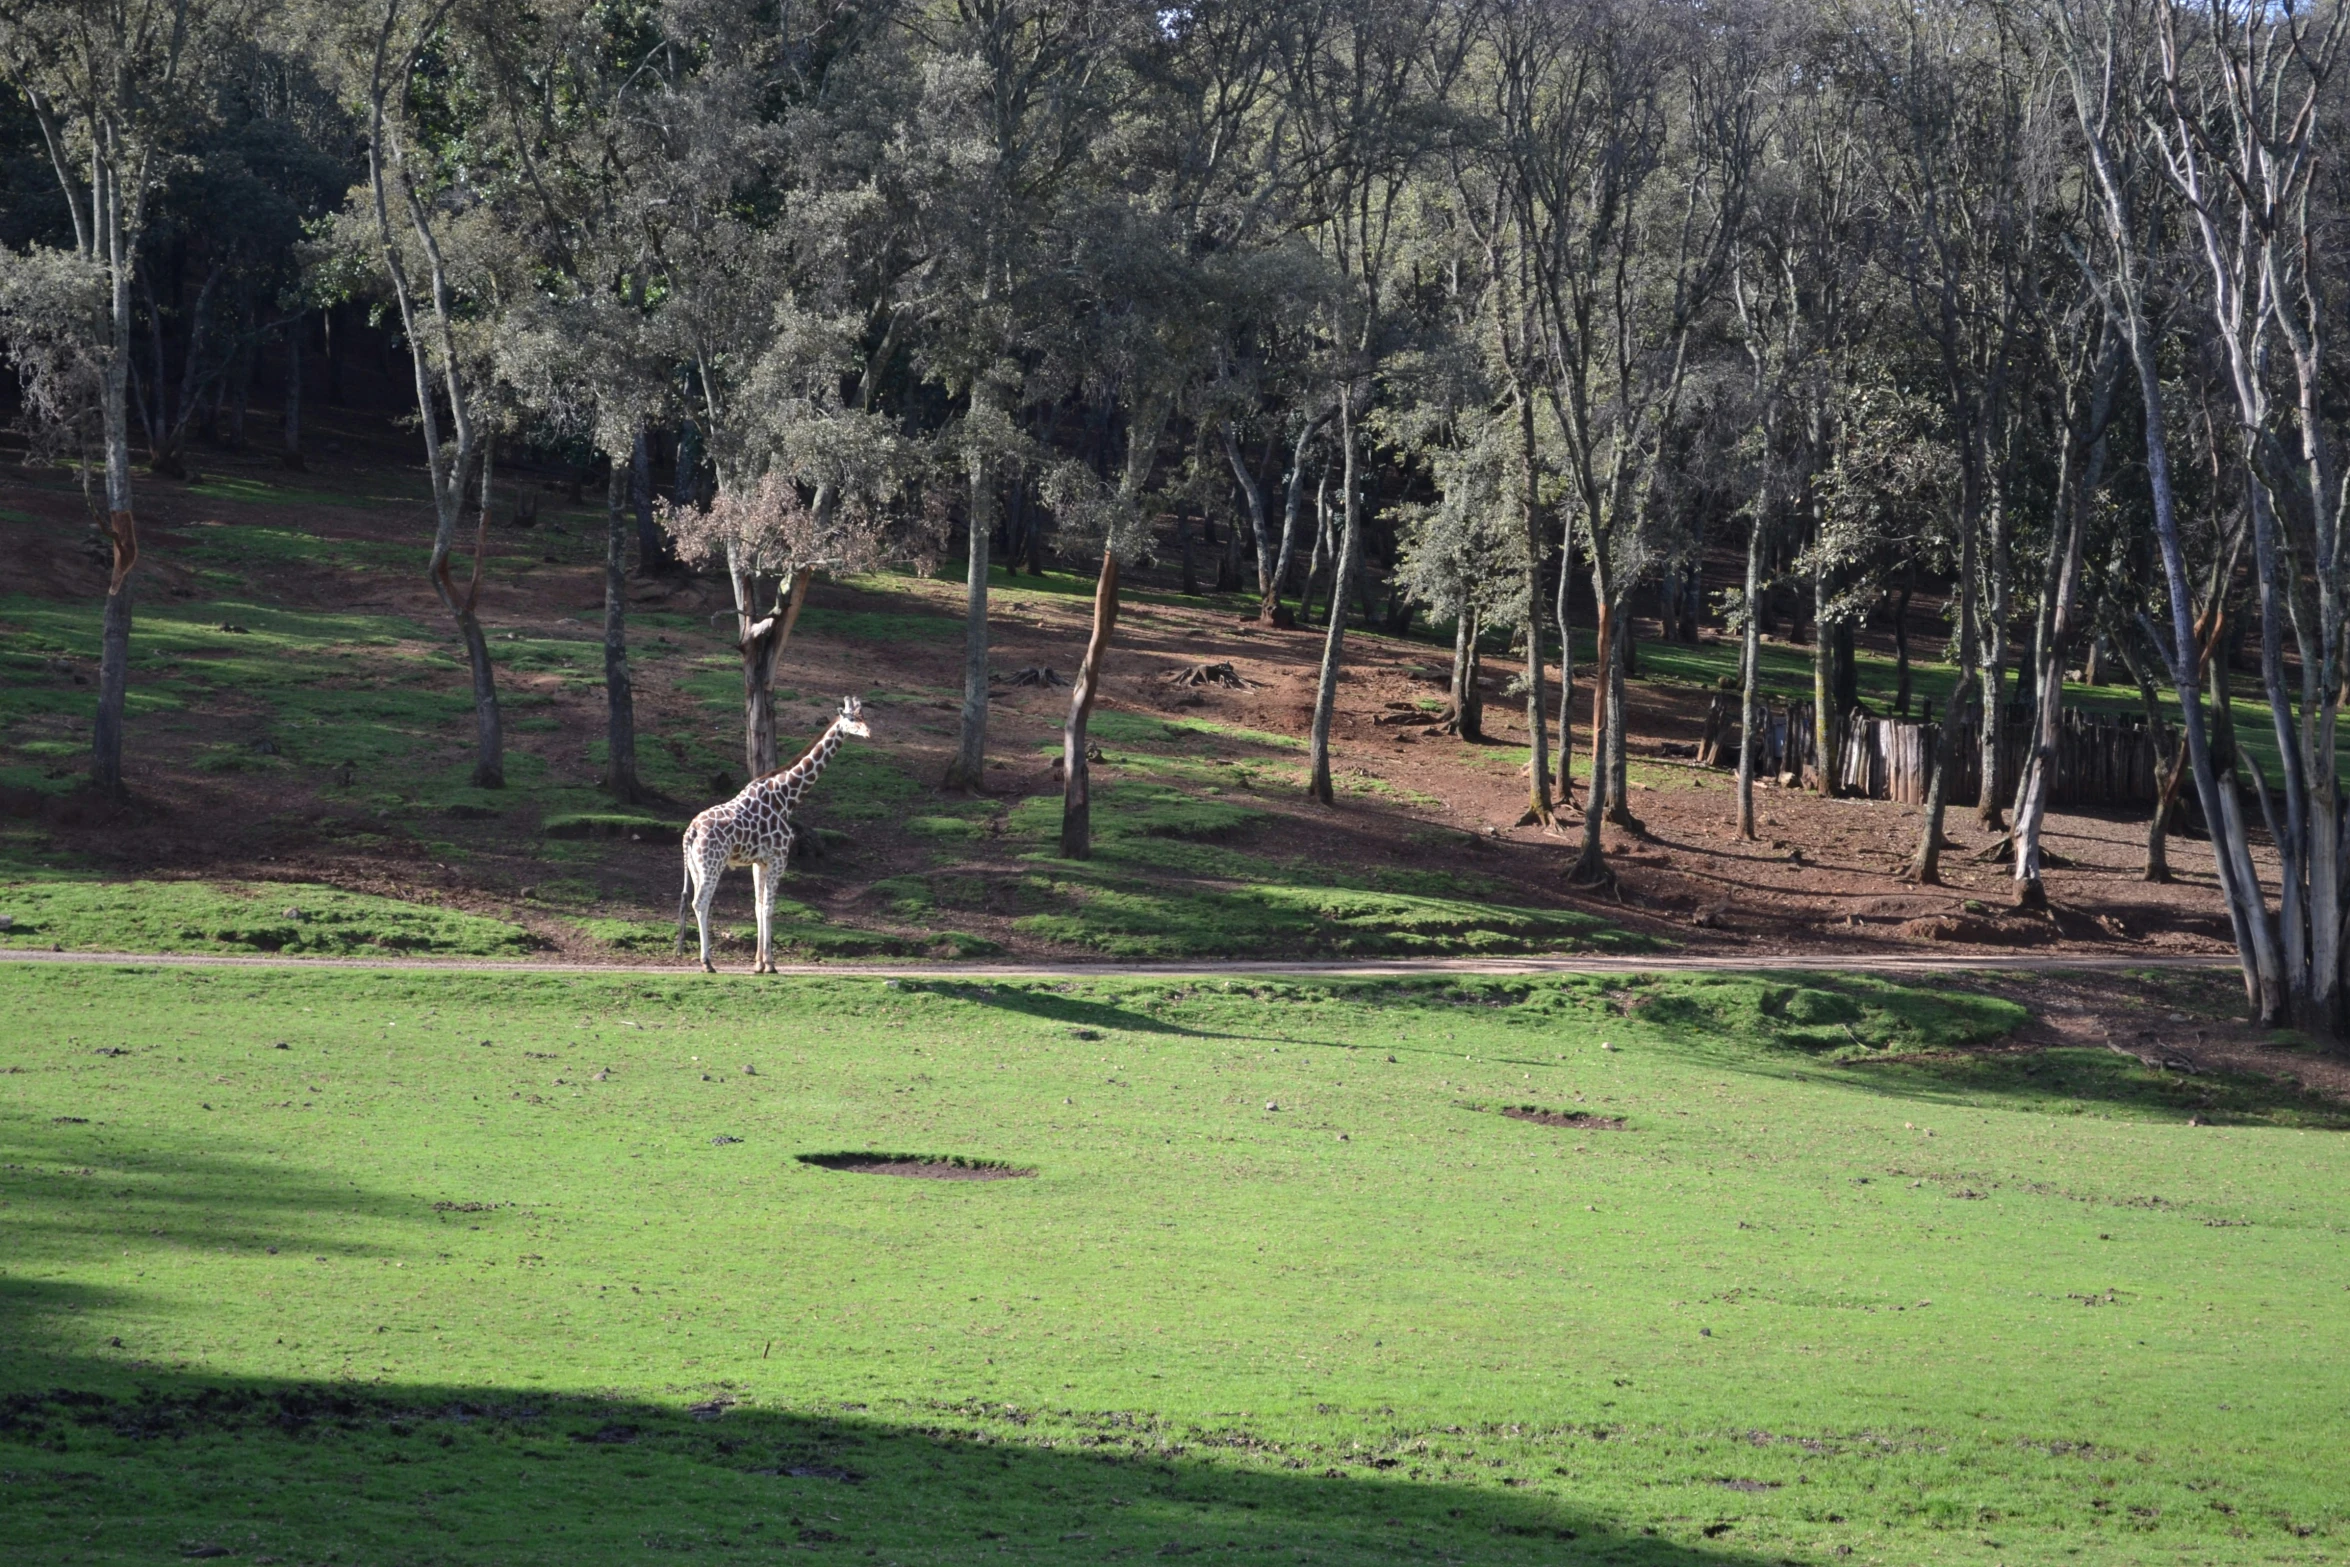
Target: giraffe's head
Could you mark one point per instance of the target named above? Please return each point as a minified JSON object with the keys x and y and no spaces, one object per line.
{"x":851,"y":721}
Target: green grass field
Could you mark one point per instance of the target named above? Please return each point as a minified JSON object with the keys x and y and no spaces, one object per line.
{"x":354,"y":1267}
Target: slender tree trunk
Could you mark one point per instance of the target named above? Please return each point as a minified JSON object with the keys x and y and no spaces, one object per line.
{"x":114,"y":636}
{"x":1076,"y":796}
{"x":1538,"y":811}
{"x":2311,"y":997}
{"x":1142,"y":445}
{"x":2248,"y":916}
{"x":762,"y":647}
{"x":1321,"y":550}
{"x":1826,"y":723}
{"x":489,"y":465}
{"x":1260,"y":525}
{"x":2080,"y":474}
{"x":489,"y":760}
{"x":1750,"y":678}
{"x":1334,"y":639}
{"x":290,"y":454}
{"x":2031,"y":810}
{"x":1926,"y":867}
{"x":1989,"y":804}
{"x":451,"y":466}
{"x":1591,"y":868}
{"x":1566,"y":703}
{"x":652,"y":550}
{"x":1292,"y":507}
{"x":969,"y":768}
{"x":1901,"y":650}
{"x":1619,"y":789}
{"x":619,"y":699}
{"x":2166,"y":784}
{"x":1468,"y":702}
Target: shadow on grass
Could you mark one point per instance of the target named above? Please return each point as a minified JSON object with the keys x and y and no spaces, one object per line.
{"x":2080,"y":1081}
{"x":119,"y":1458}
{"x":180,"y":1466}
{"x":1936,"y":1043}
{"x":1052,"y":1007}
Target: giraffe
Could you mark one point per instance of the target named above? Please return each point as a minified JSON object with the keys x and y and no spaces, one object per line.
{"x":754,"y":828}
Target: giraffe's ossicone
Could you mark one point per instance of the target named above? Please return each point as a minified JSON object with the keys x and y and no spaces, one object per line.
{"x":754,"y":828}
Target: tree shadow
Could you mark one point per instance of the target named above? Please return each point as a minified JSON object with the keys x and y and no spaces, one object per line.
{"x":124,"y":1459}
{"x":2071,"y":1080}
{"x":1940,"y":1044}
{"x":1051,"y":1006}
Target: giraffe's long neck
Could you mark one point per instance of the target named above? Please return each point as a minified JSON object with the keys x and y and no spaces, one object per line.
{"x":803,"y":772}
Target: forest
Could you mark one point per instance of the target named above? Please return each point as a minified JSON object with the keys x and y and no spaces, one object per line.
{"x":1484,"y":314}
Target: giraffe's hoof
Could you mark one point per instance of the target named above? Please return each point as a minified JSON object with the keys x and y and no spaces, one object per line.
{"x":708,"y":967}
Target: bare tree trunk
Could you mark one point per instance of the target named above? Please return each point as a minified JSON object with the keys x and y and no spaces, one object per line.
{"x":1538,"y":811}
{"x":1142,"y":445}
{"x":1989,"y":807}
{"x":114,"y":637}
{"x":489,"y":465}
{"x":762,"y":646}
{"x":1825,"y":724}
{"x":1076,"y":796}
{"x":1468,"y":702}
{"x":1260,"y":525}
{"x":1324,"y":548}
{"x":2080,"y":474}
{"x":451,"y":466}
{"x":619,"y":698}
{"x":1566,"y":703}
{"x":1619,"y":790}
{"x":652,"y":550}
{"x":1926,"y":867}
{"x":1591,"y":868}
{"x":1342,"y":579}
{"x":1750,"y":678}
{"x":290,"y":453}
{"x":489,"y":762}
{"x":969,"y":768}
{"x":1292,"y":506}
{"x":2166,"y":787}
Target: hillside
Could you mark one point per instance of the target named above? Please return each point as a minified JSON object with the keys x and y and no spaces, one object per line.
{"x":298,"y":717}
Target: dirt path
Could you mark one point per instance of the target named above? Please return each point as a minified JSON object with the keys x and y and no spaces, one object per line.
{"x":2009,"y":963}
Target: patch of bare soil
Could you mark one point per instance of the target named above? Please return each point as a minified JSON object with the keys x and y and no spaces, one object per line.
{"x":921,"y":1167}
{"x":1568,"y":1118}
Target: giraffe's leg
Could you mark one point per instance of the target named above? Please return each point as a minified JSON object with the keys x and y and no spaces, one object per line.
{"x":706,"y":874}
{"x":763,"y":895}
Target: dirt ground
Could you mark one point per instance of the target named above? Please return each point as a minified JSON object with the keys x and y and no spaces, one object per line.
{"x":1825,"y":877}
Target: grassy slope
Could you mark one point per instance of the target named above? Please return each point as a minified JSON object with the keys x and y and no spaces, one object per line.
{"x":1377,"y":1323}
{"x":369,"y":713}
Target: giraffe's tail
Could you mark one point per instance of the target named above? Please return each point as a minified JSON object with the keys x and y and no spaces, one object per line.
{"x":685,"y":894}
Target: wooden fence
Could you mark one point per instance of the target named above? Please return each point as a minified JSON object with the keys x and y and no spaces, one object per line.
{"x":2101,"y":759}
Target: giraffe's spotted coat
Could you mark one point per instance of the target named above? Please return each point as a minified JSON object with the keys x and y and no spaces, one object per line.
{"x":754,"y":828}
